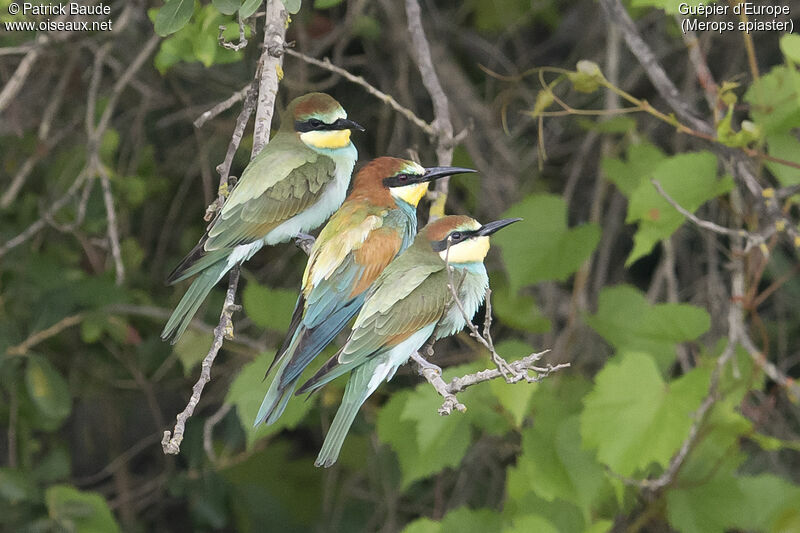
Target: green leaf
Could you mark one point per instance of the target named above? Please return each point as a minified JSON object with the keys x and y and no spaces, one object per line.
{"x":326,"y":4}
{"x":517,"y":309}
{"x":227,"y":7}
{"x":628,"y":322}
{"x":16,"y":486}
{"x":633,"y":418}
{"x":784,"y":146}
{"x":744,"y":503}
{"x":775,"y":100}
{"x":292,"y":6}
{"x":528,"y":523}
{"x":424,"y":441}
{"x":423,"y":525}
{"x":465,"y":520}
{"x":79,"y":511}
{"x":558,"y":467}
{"x":248,"y":390}
{"x":249,"y":7}
{"x":48,"y":390}
{"x":174,"y":15}
{"x":642,"y":158}
{"x":689,"y":179}
{"x":790,"y":46}
{"x":191,"y":348}
{"x":541,"y":247}
{"x":515,"y":398}
{"x":269,"y":308}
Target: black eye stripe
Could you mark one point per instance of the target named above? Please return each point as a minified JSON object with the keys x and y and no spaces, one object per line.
{"x":457,"y":236}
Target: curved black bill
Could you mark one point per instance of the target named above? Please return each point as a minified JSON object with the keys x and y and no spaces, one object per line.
{"x":434,"y":173}
{"x":347,"y":124}
{"x":491,"y":227}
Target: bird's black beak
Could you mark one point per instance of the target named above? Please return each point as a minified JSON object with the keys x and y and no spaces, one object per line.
{"x":492,"y":227}
{"x":434,"y":173}
{"x":347,"y":124}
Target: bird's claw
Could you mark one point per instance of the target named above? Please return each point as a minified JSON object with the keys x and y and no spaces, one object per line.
{"x":424,"y":364}
{"x":304,"y":241}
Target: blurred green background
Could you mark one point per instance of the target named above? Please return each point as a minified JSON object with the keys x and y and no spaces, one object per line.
{"x":660,"y":319}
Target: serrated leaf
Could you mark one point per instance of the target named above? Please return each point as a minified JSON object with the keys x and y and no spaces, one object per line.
{"x":541,"y":247}
{"x":755,"y":503}
{"x":227,"y":7}
{"x":48,"y":390}
{"x":558,"y":467}
{"x":249,"y":7}
{"x":248,"y":390}
{"x":689,"y":179}
{"x":630,"y":323}
{"x":174,"y":15}
{"x":425,"y":443}
{"x":82,"y":512}
{"x":633,"y":418}
{"x":269,"y":308}
{"x":627,"y":174}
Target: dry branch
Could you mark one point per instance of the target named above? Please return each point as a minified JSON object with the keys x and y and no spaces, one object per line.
{"x":266,"y":80}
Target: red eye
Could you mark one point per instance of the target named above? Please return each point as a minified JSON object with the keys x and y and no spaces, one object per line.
{"x":402,"y":177}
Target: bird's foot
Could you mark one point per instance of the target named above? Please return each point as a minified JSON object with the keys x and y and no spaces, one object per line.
{"x":424,"y":364}
{"x":304,"y":241}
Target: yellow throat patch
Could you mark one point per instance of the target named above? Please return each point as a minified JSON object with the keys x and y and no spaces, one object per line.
{"x":411,"y":194}
{"x":330,"y":139}
{"x":468,"y":251}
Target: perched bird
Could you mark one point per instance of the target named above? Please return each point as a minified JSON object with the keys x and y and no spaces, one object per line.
{"x":376,"y":222}
{"x":292,"y":186}
{"x":405,"y":306}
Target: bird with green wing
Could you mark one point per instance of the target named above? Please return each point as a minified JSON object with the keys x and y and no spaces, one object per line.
{"x":291,"y":187}
{"x":376,"y":222}
{"x":408,"y":303}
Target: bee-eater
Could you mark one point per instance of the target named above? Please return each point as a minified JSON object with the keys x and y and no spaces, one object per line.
{"x":408,"y":302}
{"x":292,"y":186}
{"x":376,"y":222}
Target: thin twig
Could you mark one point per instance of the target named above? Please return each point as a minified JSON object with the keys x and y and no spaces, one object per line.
{"x":221,"y":107}
{"x":171,"y":442}
{"x":380,"y":95}
{"x":442,"y":124}
{"x":231,"y":45}
{"x":111,"y":216}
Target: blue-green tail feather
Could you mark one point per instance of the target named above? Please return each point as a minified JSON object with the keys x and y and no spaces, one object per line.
{"x":355,"y":394}
{"x":191,"y":301}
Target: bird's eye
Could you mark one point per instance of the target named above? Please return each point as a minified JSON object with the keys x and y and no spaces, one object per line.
{"x":402,"y":178}
{"x":456,"y":236}
{"x":315,"y":123}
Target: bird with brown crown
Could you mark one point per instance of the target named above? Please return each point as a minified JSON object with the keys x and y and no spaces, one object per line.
{"x":407,"y":304}
{"x":377,"y":221}
{"x":291,"y":187}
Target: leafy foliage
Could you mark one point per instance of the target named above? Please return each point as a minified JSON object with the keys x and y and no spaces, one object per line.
{"x":88,"y":387}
